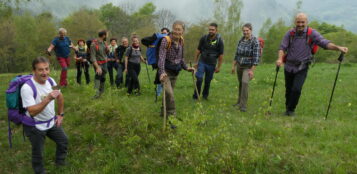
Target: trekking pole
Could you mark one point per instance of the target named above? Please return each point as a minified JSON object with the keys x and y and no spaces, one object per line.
{"x":194,"y":83}
{"x":340,"y":59}
{"x":272,"y":93}
{"x":164,"y":105}
{"x":155,"y":93}
{"x":147,"y":71}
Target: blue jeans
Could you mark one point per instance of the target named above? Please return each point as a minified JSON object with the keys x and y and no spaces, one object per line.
{"x":208,"y":71}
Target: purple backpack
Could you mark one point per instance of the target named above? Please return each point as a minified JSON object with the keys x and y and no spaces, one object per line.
{"x":16,"y":113}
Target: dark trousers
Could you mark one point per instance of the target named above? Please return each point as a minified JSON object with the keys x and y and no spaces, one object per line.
{"x":37,"y":139}
{"x":80,"y":67}
{"x":206,"y":70}
{"x":119,"y":79}
{"x":133,"y":71}
{"x":293,"y":87}
{"x":99,"y":82}
{"x":113,"y":65}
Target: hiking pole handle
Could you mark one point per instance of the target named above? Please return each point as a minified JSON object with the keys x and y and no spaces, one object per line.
{"x":341,"y":57}
{"x":277,"y":68}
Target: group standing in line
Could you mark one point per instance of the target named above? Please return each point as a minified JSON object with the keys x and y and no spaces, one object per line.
{"x":295,"y":52}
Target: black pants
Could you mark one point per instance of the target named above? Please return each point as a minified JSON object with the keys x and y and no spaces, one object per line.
{"x":37,"y":139}
{"x":293,"y":87}
{"x":113,"y":65}
{"x":82,"y":66}
{"x":133,"y":71}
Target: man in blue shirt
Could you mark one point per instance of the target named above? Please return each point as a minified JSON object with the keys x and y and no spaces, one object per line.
{"x":62,"y":46}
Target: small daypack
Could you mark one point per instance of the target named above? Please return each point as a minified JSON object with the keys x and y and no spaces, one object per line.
{"x":16,"y":112}
{"x":313,"y":46}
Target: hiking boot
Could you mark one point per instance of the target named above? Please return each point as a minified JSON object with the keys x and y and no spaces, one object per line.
{"x":289,"y":113}
{"x":172,"y":126}
{"x":236,"y":105}
{"x":60,"y":164}
{"x":96,"y":96}
{"x":243,"y":109}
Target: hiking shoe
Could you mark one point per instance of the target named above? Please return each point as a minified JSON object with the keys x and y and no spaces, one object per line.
{"x":243,"y":109}
{"x":289,"y":113}
{"x":95,"y":97}
{"x":205,"y":97}
{"x":235,"y":105}
{"x":60,"y":164}
{"x":172,"y":126}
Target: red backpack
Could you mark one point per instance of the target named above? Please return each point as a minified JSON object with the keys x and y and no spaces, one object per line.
{"x":261,"y":45}
{"x":313,"y":46}
{"x":96,"y":43}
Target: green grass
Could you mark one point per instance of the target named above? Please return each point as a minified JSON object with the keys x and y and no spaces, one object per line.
{"x":123,"y":134}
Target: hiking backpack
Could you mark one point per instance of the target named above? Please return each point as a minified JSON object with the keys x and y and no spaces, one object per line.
{"x":152,"y":51}
{"x":96,"y":43}
{"x":313,"y":46}
{"x":16,"y":112}
{"x":261,"y":46}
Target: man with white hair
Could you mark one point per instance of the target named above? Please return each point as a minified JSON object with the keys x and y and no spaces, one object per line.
{"x":62,"y":46}
{"x":296,"y":51}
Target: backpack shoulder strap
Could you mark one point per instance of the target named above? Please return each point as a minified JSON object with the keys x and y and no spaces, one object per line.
{"x":95,"y":41}
{"x":168,"y":42}
{"x":131,"y":50}
{"x":51,"y":81}
{"x":33,"y":87}
{"x":308,"y":35}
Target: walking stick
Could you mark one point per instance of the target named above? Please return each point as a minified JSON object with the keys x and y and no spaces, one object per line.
{"x":194,"y":83}
{"x":340,"y":59}
{"x":272,"y":93}
{"x":147,"y":71}
{"x":164,"y":105}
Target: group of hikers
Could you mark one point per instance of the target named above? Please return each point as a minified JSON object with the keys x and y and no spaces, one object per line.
{"x":295,"y":52}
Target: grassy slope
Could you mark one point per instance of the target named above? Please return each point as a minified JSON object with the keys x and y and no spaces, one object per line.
{"x":123,"y":134}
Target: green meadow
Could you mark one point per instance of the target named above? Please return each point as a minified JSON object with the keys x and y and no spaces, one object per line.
{"x":124,"y":134}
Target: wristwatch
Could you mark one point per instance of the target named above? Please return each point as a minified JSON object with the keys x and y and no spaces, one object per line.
{"x":62,"y":114}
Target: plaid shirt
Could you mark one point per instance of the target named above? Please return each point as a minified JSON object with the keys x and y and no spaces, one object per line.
{"x":173,"y":55}
{"x":248,"y":52}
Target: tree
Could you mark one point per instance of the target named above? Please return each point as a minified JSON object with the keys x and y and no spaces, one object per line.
{"x":273,"y":39}
{"x":164,"y":18}
{"x":83,"y":24}
{"x":227,"y":14}
{"x":118,"y":22}
{"x":192,"y":37}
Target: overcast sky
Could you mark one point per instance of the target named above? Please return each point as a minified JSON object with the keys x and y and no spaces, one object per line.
{"x":255,"y":11}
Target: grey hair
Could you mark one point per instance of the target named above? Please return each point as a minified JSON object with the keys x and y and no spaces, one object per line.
{"x":124,"y":38}
{"x":62,"y":30}
{"x":179,"y":23}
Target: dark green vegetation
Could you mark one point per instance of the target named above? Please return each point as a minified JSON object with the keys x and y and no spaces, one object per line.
{"x":24,"y":35}
{"x":123,"y":134}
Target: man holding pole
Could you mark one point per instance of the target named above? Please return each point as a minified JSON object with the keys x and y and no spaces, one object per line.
{"x":296,"y":51}
{"x":210,"y":49}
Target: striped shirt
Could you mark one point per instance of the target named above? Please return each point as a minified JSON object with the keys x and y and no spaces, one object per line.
{"x":172,"y":55}
{"x":248,"y":51}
